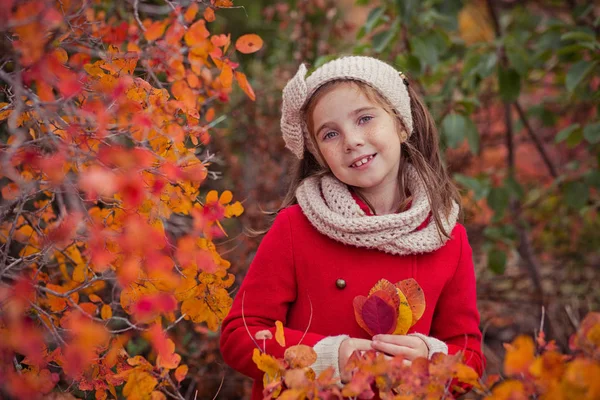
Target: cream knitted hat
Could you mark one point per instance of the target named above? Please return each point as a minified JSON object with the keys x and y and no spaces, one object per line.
{"x":381,"y":76}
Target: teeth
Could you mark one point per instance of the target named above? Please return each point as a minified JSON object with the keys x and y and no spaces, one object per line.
{"x":362,"y":161}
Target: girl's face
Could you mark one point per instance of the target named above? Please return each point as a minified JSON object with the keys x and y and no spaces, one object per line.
{"x":357,"y":138}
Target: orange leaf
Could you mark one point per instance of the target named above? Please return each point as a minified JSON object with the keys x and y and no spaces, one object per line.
{"x":155,"y":30}
{"x":300,"y":356}
{"x":245,"y":85}
{"x":519,"y":355}
{"x":279,"y":335}
{"x":106,"y":312}
{"x":249,"y":43}
{"x":191,"y":12}
{"x":226,"y":76}
{"x":181,"y":372}
{"x":209,"y":14}
{"x":223,"y":3}
{"x":196,"y":33}
{"x":415,"y":297}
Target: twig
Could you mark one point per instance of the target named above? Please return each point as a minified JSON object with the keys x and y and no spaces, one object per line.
{"x":244,"y":319}
{"x":309,"y":319}
{"x":536,"y":141}
{"x":136,"y":13}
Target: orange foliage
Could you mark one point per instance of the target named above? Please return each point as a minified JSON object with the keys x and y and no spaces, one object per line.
{"x":105,"y":136}
{"x":541,"y":372}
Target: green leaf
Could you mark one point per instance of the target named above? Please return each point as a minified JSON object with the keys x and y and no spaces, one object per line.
{"x":472,"y":136}
{"x":480,"y":188}
{"x":519,"y":60}
{"x":509,"y":82}
{"x":577,"y":73}
{"x":576,"y":194}
{"x":592,"y":178}
{"x":425,"y":50}
{"x":410,"y":64}
{"x":575,"y":138}
{"x":565,"y":133}
{"x":406,"y":8}
{"x":591,"y":133}
{"x":578,"y":36}
{"x":496,"y":261}
{"x":504,"y":233}
{"x":454,"y":128}
{"x":514,"y":187}
{"x":373,"y":18}
{"x":498,"y":201}
{"x":383,"y":38}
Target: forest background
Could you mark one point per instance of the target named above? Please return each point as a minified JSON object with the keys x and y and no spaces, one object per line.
{"x":123,"y":124}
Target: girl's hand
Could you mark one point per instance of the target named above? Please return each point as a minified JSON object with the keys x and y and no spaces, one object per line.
{"x":348,"y":347}
{"x":409,"y":347}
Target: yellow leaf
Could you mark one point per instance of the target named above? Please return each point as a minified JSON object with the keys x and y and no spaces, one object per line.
{"x":404,"y":315}
{"x":279,"y":335}
{"x":475,"y":22}
{"x":234,"y":210}
{"x":266,"y":363}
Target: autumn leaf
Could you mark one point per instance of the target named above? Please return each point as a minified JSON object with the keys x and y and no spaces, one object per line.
{"x":209,"y":14}
{"x":249,"y":43}
{"x":279,"y":334}
{"x":519,"y":355}
{"x":414,"y":296}
{"x":181,"y":372}
{"x":245,"y":85}
{"x":269,"y":365}
{"x":300,"y":356}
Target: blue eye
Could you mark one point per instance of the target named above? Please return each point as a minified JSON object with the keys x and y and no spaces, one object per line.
{"x":365,"y":119}
{"x":329,"y":134}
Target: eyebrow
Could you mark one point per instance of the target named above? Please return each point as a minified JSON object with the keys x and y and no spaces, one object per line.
{"x":350,"y":114}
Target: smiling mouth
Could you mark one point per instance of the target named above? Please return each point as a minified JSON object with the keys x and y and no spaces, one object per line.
{"x":362,"y":161}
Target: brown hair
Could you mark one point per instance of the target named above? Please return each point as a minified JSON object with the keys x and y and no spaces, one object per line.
{"x":421,"y":150}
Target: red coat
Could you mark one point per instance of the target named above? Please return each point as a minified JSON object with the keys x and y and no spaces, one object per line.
{"x":296,"y":265}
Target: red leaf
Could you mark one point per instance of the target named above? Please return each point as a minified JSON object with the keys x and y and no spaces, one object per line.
{"x":379,"y":316}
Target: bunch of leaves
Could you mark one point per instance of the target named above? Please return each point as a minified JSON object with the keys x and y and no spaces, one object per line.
{"x":371,"y":373}
{"x":531,"y":370}
{"x":544,"y":372}
{"x":103,"y":135}
{"x":390,"y":308}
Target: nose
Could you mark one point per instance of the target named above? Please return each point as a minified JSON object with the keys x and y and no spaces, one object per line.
{"x":353,"y":140}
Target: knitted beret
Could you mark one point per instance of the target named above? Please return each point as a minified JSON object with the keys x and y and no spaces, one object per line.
{"x":378,"y":74}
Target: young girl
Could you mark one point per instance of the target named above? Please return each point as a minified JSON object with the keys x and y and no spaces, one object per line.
{"x":370,"y":200}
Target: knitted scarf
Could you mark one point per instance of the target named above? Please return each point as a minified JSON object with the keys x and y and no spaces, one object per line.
{"x":329,"y":206}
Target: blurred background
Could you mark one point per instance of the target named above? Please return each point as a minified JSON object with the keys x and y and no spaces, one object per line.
{"x":513,"y":86}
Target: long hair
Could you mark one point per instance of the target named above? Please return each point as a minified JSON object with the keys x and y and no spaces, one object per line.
{"x":421,"y":150}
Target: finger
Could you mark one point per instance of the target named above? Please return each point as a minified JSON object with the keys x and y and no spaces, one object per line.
{"x":400,"y":340}
{"x":361,"y":344}
{"x":395,"y":350}
{"x":407,"y":363}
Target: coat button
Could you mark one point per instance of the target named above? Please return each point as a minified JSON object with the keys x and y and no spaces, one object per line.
{"x":340,"y":283}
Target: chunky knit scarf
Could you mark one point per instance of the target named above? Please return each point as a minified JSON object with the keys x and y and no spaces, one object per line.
{"x":331,"y":209}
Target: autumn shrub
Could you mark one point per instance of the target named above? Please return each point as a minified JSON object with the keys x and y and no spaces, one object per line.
{"x":107,"y":234}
